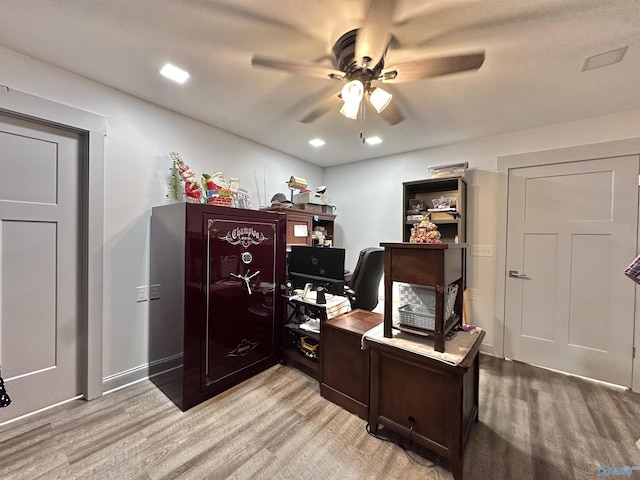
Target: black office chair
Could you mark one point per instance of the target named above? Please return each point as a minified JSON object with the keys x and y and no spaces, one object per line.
{"x":362,"y":289}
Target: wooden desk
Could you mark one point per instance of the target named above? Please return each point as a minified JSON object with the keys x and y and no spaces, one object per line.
{"x":424,"y":399}
{"x":345,"y":366}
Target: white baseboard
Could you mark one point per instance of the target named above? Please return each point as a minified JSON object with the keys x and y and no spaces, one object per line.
{"x":137,"y":374}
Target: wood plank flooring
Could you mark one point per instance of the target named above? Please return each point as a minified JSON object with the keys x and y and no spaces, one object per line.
{"x":534,"y":424}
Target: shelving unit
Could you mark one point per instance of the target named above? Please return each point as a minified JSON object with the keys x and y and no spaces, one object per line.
{"x":427,"y":190}
{"x":299,"y":220}
{"x":296,"y":307}
{"x":290,"y":353}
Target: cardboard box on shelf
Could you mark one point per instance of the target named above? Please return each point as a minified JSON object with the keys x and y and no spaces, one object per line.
{"x":439,"y":216}
{"x":309,"y":197}
{"x":313,"y":202}
{"x":311,"y":207}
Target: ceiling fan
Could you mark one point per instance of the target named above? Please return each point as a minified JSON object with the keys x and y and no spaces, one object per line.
{"x":360,"y":62}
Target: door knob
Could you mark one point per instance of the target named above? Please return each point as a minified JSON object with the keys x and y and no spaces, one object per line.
{"x":515,"y":274}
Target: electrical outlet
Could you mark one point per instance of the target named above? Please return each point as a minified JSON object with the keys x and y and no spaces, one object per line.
{"x":154,"y":292}
{"x":473,"y":293}
{"x":481,"y":251}
{"x":142,"y":294}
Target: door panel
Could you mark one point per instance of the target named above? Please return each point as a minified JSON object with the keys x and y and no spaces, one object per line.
{"x":30,"y":326}
{"x":572,"y":230}
{"x":569,"y":197}
{"x":241,"y":281}
{"x":40,"y":175}
{"x":538,"y":316}
{"x":588,"y":316}
{"x":27,"y":163}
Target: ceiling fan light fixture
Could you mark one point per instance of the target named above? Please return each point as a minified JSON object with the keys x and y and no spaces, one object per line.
{"x":350,"y":110}
{"x":352,"y":92}
{"x":380,"y":99}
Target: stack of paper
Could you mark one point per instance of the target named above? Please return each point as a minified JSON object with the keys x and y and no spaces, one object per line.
{"x":335,"y":304}
{"x":338,"y":309}
{"x":312,"y":325}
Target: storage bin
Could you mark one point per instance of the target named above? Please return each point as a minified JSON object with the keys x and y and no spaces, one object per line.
{"x":420,"y":310}
{"x":416,"y":295}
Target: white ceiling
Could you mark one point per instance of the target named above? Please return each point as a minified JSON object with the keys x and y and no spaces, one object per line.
{"x":535,"y":50}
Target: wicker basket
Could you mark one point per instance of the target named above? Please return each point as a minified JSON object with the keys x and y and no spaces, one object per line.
{"x":422,"y":316}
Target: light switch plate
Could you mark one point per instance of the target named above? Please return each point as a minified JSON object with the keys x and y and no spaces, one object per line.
{"x":142,"y":294}
{"x":481,"y":251}
{"x":154,"y":292}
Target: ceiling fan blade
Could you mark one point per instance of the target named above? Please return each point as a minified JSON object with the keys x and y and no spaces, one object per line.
{"x":299,"y":68}
{"x":391,"y":114}
{"x":332,"y":102}
{"x":431,"y":67}
{"x":373,"y":37}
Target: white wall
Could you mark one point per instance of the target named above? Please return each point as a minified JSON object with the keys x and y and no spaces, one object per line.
{"x":140,"y":136}
{"x":369,"y":196}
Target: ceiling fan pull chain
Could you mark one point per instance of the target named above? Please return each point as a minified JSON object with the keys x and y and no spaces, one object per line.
{"x":363,"y":119}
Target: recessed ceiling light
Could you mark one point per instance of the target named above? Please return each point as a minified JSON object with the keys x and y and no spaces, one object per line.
{"x":174,"y":73}
{"x":373,"y":140}
{"x":317,"y":142}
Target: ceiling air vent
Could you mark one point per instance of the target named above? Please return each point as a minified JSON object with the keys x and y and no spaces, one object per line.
{"x":604,"y":59}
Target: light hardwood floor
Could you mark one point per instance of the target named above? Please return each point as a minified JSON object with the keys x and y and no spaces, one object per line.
{"x":534,"y":424}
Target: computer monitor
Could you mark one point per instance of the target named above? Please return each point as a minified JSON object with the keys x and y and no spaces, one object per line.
{"x":320,"y":266}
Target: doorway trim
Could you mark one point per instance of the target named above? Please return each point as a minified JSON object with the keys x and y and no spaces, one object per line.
{"x":93,"y":129}
{"x":505,"y":163}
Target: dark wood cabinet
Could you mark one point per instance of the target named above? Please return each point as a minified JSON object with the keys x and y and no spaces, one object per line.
{"x":436,"y":265}
{"x":299,"y":221}
{"x":414,"y":393}
{"x":296,"y":222}
{"x":452,"y":228}
{"x":425,"y":399}
{"x":217,"y":319}
{"x":345,"y":365}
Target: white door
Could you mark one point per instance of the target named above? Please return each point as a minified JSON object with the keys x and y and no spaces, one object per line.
{"x":40,"y":252}
{"x":572,"y":230}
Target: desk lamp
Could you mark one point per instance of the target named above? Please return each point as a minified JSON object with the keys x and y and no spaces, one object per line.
{"x":296,"y":183}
